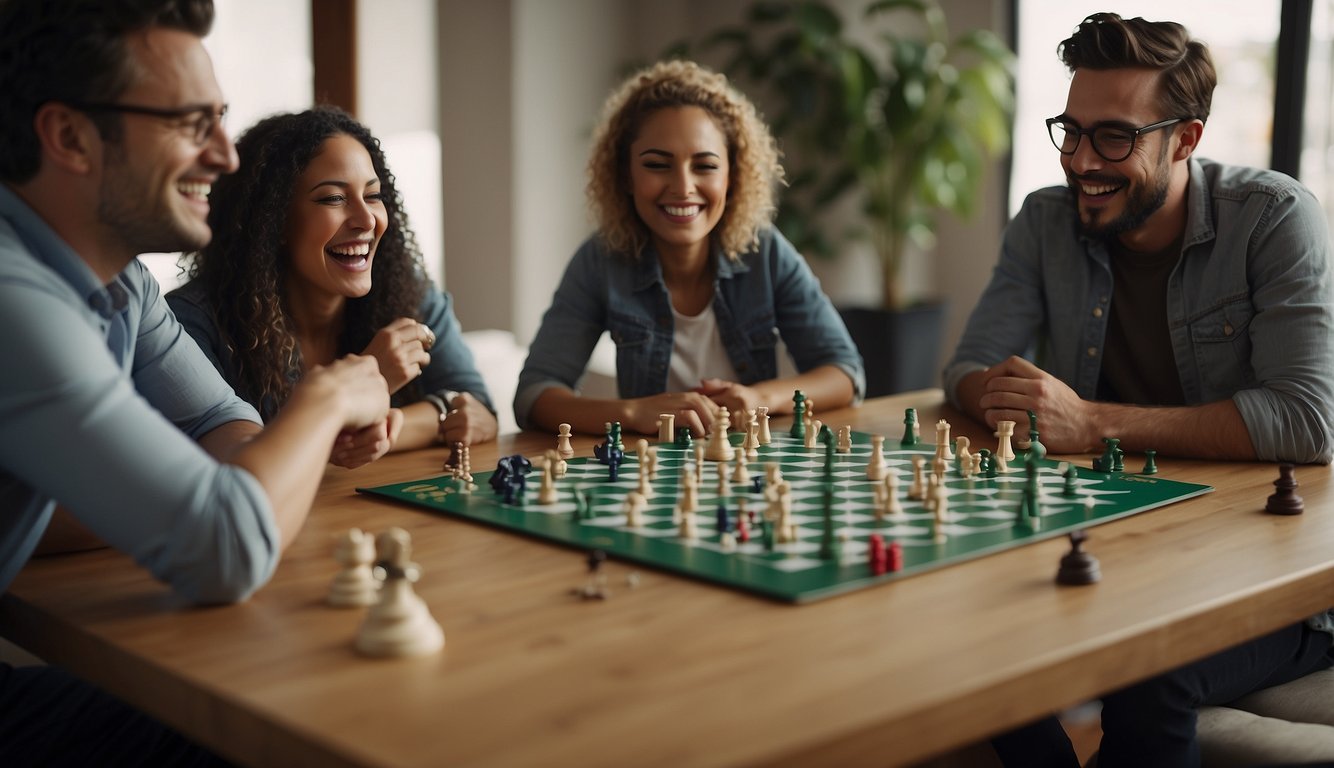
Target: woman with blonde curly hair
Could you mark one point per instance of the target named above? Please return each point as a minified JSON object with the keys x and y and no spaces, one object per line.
{"x":685,"y":272}
{"x":312,"y":259}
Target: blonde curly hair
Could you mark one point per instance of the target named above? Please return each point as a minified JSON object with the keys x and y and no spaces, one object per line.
{"x":752,"y":155}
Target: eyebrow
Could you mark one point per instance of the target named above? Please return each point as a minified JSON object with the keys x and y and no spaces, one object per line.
{"x":665,"y":153}
{"x":340,"y":183}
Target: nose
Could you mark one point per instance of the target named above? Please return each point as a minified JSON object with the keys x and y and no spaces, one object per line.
{"x":1085,"y":159}
{"x":360,"y":215}
{"x":220,"y":151}
{"x":682,"y":181}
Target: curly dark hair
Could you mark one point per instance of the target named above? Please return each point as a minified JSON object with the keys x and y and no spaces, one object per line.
{"x":73,"y":50}
{"x":244,"y":270}
{"x":1186,"y":76}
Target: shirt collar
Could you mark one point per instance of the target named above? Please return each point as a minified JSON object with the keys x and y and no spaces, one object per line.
{"x":1199,"y":216}
{"x":47,"y":248}
{"x":648,"y":271}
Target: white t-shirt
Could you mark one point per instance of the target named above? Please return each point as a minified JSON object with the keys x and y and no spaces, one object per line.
{"x":697,"y":352}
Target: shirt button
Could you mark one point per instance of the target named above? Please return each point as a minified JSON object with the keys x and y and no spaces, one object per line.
{"x":1227,"y":329}
{"x":1102,"y":300}
{"x":1093,"y":351}
{"x":1097,"y":311}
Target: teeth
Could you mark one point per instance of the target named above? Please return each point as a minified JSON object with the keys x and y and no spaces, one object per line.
{"x":358,"y":249}
{"x":686,"y":210}
{"x":1098,"y":190}
{"x":194,"y":188}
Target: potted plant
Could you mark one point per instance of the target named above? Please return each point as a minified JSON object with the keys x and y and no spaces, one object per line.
{"x":894,"y":111}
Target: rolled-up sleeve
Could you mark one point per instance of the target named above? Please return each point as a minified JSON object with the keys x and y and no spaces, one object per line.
{"x":114,"y":447}
{"x":1291,"y":415}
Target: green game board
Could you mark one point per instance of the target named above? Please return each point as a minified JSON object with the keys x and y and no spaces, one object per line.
{"x":983,"y":512}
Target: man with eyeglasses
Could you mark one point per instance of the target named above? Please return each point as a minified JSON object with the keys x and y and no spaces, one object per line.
{"x":1173,"y":302}
{"x":110,"y":137}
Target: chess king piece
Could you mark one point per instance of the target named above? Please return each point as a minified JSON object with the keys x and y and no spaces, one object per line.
{"x":399,"y":624}
{"x":1284,"y":500}
{"x":354,"y":585}
{"x":1077,"y":566}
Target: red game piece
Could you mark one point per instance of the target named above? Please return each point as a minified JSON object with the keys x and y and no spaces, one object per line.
{"x":879,"y":559}
{"x":895,"y":557}
{"x":742,"y":529}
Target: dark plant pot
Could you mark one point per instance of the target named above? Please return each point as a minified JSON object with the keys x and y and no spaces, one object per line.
{"x":901,"y":348}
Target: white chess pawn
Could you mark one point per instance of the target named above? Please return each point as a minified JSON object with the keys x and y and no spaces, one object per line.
{"x":741,"y":475}
{"x":963,"y":455}
{"x":762,"y":413}
{"x":634,"y":509}
{"x":875,"y":468}
{"x":895,"y":507}
{"x":563,"y":446}
{"x":399,"y":624}
{"x":844,"y":439}
{"x":354,"y":585}
{"x":918,"y":488}
{"x":547,"y":493}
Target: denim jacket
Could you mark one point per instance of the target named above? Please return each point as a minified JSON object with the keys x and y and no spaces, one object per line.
{"x":767,"y":294}
{"x":451,"y":366}
{"x":1250,"y":307}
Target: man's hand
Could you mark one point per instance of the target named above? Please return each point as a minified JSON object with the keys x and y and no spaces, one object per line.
{"x":355,"y":382}
{"x":354,"y":449}
{"x":736,"y":398}
{"x":468,"y":422}
{"x":1016,"y":386}
{"x":690,"y":408}
{"x":401,"y":350}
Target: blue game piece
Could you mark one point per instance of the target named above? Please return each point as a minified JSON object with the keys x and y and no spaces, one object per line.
{"x":757,"y":484}
{"x":724,"y":523}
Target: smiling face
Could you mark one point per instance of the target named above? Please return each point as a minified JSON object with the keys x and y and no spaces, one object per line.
{"x":1121,"y":197}
{"x":335,"y":221}
{"x":156,"y":179}
{"x":679,"y":178}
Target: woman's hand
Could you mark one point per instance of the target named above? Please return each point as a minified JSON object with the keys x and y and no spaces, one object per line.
{"x":691,"y":409}
{"x":401,"y":350}
{"x":468,"y":422}
{"x":736,"y":398}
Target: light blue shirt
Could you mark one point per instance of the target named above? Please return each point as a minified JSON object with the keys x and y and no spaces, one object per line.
{"x":1250,"y":306}
{"x":102,"y":396}
{"x":767,"y":294}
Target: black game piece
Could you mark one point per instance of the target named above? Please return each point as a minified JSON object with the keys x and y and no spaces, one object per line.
{"x":757,"y":484}
{"x":1077,"y":566}
{"x":682,"y":437}
{"x":1284,"y":500}
{"x":910,"y":436}
{"x":724,"y":522}
{"x":1150,"y":465}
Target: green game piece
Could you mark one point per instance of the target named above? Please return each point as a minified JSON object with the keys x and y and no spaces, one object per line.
{"x":1037,"y":450}
{"x":1118,"y":459}
{"x":682,"y":437}
{"x":1028,"y":505}
{"x":830,"y":548}
{"x":827,"y":437}
{"x":1108,"y":458}
{"x":1150,"y":466}
{"x":614,"y":436}
{"x":1071,"y":475}
{"x":767,"y":535}
{"x":798,"y":412}
{"x":910,"y":436}
{"x":986,"y":465}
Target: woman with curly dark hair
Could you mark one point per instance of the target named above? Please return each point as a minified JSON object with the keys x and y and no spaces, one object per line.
{"x":312,"y":259}
{"x":685,"y":271}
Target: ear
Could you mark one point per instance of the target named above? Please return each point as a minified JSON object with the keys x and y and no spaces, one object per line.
{"x":1188,"y":140}
{"x":69,"y":140}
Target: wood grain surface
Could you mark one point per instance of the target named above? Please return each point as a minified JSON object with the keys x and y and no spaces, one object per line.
{"x":677,"y":672}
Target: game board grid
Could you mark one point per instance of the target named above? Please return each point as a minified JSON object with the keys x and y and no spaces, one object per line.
{"x":984,"y":512}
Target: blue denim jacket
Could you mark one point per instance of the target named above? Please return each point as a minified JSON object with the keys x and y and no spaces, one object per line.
{"x":1250,"y":307}
{"x":768,"y":293}
{"x":451,"y":366}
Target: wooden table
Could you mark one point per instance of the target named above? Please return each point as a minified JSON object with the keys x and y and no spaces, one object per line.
{"x":677,"y":672}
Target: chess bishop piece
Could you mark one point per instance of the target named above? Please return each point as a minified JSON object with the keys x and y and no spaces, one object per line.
{"x":1284,"y":500}
{"x":1078,"y":567}
{"x":399,"y":624}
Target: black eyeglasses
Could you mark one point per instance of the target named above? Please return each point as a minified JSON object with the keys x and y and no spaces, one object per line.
{"x":1113,"y":143}
{"x":200,"y":120}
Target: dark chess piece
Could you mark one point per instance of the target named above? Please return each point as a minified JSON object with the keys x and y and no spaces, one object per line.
{"x":1284,"y":500}
{"x":1077,"y":566}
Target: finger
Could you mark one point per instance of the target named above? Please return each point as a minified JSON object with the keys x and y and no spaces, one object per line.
{"x":426,"y":335}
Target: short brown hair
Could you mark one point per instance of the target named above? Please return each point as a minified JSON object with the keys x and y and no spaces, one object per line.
{"x":752,"y":155}
{"x":1185,"y":69}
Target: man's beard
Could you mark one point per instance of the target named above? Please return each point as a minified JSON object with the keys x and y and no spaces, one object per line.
{"x":1141,"y":203}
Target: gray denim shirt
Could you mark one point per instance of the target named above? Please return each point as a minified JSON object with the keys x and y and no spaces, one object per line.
{"x":768,"y":293}
{"x":1250,"y":305}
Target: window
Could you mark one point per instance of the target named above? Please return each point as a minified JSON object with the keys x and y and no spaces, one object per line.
{"x":1243,"y":46}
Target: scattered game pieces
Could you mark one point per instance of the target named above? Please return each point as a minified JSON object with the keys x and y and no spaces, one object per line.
{"x":399,"y":624}
{"x":1107,"y":461}
{"x":778,"y":555}
{"x":1284,"y":500}
{"x":595,"y":586}
{"x":1078,"y":567}
{"x":1150,"y":465}
{"x":354,"y":585}
{"x":511,"y":476}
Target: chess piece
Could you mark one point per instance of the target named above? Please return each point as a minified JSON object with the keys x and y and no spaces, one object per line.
{"x":1150,"y":463}
{"x":910,"y":437}
{"x":943,"y":441}
{"x":963,"y":458}
{"x":875,"y":467}
{"x":399,"y":624}
{"x":1004,"y":450}
{"x":845,"y":439}
{"x":918,"y":488}
{"x":1285,"y":500}
{"x":563,"y":446}
{"x":798,"y":430}
{"x":354,"y":585}
{"x":719,"y":449}
{"x":1036,"y":450}
{"x":547,"y":493}
{"x":634,"y":509}
{"x":1077,"y":566}
{"x":762,"y":413}
{"x":666,"y":427}
{"x":595,"y":586}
